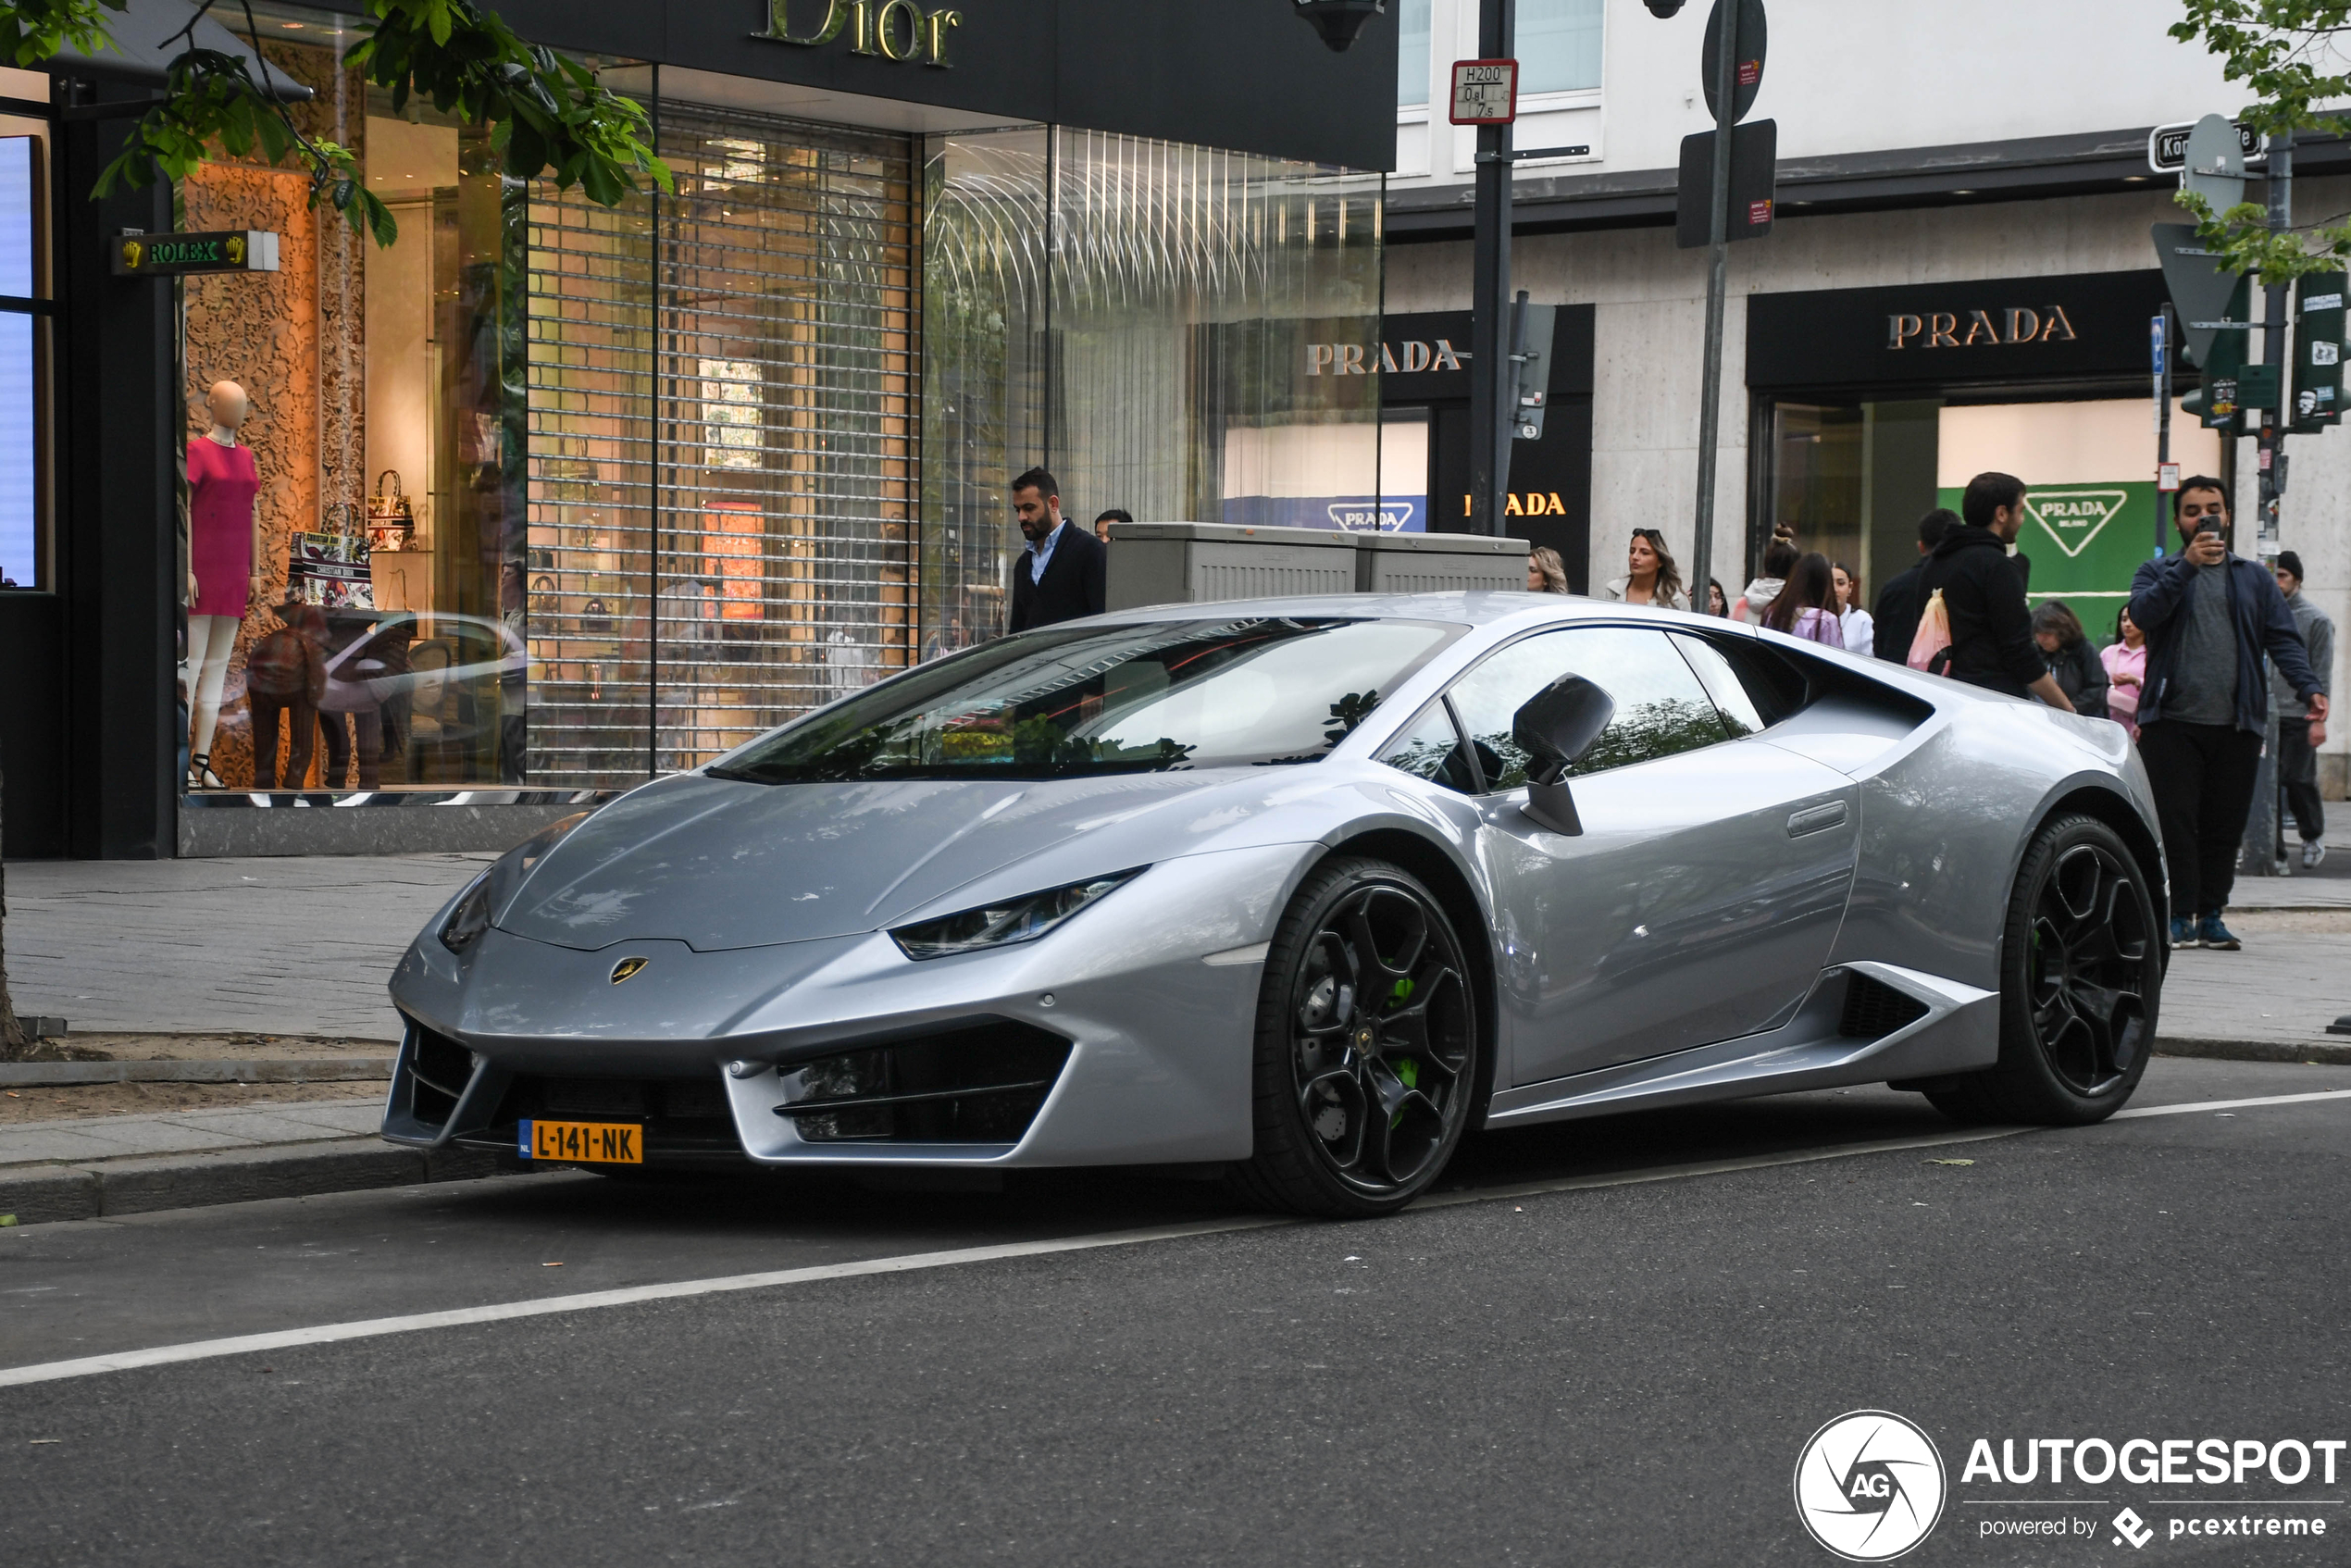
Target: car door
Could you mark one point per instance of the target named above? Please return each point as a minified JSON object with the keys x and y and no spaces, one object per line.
{"x":1701,"y":898}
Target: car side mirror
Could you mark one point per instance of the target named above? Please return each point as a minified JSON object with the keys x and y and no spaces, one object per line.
{"x":1555,"y":726}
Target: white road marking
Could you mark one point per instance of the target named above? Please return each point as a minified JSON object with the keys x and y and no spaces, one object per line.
{"x":369,"y":1328}
{"x":2231,"y":1104}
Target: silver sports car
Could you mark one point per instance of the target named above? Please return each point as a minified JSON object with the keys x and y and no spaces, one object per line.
{"x":1305,"y":888}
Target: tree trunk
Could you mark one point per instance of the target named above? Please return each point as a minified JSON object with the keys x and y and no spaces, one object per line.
{"x":13,"y":1043}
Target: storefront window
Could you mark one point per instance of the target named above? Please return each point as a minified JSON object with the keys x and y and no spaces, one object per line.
{"x":23,"y":390}
{"x":1852,"y":479}
{"x":1558,"y":45}
{"x":1144,"y":319}
{"x":553,"y":496}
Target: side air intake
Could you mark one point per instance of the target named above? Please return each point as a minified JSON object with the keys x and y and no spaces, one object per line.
{"x":1873,"y":1009}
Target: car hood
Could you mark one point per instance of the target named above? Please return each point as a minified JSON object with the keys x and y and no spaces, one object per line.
{"x":719,"y":864}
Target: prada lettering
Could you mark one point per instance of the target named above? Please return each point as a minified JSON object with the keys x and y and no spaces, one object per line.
{"x":1531,"y":503}
{"x":1944,"y":329}
{"x":894,"y":30}
{"x":1354,"y":359}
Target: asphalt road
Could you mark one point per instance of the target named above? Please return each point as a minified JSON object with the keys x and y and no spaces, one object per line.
{"x":1603,"y":1343}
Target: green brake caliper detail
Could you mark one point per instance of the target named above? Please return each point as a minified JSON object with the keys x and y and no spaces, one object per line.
{"x":1410,"y":1072}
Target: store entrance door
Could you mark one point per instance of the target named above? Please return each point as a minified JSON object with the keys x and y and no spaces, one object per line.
{"x":1852,"y":479}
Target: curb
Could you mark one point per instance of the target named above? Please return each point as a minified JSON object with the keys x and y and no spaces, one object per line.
{"x":2328,"y":1053}
{"x":282,"y":1070}
{"x":44,"y":1194}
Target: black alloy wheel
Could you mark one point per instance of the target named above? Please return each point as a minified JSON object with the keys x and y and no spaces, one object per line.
{"x":2081,"y":973}
{"x":1366,"y":1046}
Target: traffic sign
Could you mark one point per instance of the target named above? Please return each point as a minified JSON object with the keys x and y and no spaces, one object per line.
{"x":1753,"y":32}
{"x":2167,"y":146}
{"x":2215,"y":168}
{"x":2200,"y":289}
{"x":1755,"y":150}
{"x":1485,"y":92}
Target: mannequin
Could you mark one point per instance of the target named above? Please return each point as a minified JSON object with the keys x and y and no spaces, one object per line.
{"x":224,"y":562}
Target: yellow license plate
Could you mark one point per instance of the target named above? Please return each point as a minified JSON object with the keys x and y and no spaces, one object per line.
{"x":586,"y":1143}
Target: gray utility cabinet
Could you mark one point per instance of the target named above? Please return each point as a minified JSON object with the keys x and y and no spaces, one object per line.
{"x":1197,"y":563}
{"x":1438,"y":563}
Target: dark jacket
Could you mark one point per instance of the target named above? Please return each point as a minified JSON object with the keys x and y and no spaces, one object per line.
{"x":1992,"y":642}
{"x":1898,"y":604}
{"x":2263,"y":624}
{"x":2082,"y":676}
{"x":1072,"y":586}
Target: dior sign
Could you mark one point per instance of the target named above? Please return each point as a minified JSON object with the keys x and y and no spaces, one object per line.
{"x":892,"y":29}
{"x":1943,"y":328}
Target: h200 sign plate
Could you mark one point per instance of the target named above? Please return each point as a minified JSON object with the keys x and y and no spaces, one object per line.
{"x":585,"y":1143}
{"x":1485,"y":92}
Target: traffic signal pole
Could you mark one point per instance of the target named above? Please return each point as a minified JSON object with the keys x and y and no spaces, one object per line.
{"x":2262,"y":852}
{"x":1490,"y":369}
{"x":1710,"y":417}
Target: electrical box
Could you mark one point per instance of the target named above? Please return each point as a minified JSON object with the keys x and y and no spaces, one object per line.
{"x":1438,"y":563}
{"x":1198,"y":562}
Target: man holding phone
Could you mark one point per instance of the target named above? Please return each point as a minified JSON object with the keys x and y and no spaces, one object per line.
{"x":2209,"y":616}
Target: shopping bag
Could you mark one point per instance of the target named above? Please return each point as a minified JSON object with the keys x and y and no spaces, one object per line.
{"x":1931,"y":649}
{"x":328,"y":568}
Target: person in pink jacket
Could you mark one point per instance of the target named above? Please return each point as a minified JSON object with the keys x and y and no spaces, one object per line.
{"x":1806,"y":605}
{"x":2126,"y":669}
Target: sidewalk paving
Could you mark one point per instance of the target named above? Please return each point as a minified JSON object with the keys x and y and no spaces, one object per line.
{"x":282,"y":945}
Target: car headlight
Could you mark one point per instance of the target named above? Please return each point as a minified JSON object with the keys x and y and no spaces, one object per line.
{"x":470,"y":915}
{"x":999,"y":925}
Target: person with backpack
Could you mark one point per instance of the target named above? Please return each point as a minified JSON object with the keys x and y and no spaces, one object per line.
{"x":1989,"y":624}
{"x":1899,"y":602}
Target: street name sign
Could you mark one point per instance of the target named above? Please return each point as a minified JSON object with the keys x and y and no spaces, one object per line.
{"x":2167,"y":146}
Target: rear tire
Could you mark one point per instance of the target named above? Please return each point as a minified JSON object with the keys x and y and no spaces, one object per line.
{"x":2080,"y":976}
{"x":1367,"y":1047}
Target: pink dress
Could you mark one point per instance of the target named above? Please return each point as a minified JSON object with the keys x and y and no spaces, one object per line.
{"x":222,"y":481}
{"x":2126,"y":668}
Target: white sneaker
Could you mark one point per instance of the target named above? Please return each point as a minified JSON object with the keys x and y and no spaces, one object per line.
{"x":2313,"y":852}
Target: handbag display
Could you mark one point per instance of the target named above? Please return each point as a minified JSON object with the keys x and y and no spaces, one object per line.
{"x":391,"y":519}
{"x":330,"y":569}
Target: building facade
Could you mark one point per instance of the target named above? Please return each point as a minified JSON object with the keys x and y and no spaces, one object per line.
{"x":1959,"y":276}
{"x":637,"y":484}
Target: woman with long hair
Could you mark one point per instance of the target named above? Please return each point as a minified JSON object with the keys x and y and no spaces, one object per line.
{"x":2074,"y":663}
{"x":2126,"y":671}
{"x":1806,"y":604}
{"x":1718,"y":603}
{"x":1859,"y":630}
{"x":1546,"y":573}
{"x":1650,"y":576}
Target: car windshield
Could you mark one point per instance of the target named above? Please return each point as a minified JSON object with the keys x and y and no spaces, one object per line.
{"x":1065,"y":703}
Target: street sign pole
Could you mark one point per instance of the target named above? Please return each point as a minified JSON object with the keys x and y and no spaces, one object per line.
{"x":1710,"y":417}
{"x":1490,"y":369}
{"x":2262,"y":852}
{"x":2167,"y":473}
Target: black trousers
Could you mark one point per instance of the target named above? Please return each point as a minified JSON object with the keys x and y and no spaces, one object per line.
{"x":2298,"y":772}
{"x":2203,"y":776}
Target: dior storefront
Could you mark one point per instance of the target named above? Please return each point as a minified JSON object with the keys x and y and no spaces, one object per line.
{"x":546,"y":498}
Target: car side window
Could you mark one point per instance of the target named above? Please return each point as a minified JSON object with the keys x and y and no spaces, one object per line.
{"x":1431,"y":748}
{"x":1722,"y":682}
{"x":1661,"y":706}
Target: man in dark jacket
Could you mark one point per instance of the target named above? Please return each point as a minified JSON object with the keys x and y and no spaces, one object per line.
{"x":1899,"y":602}
{"x":1992,"y":642}
{"x":1060,"y":576}
{"x":2209,"y":617}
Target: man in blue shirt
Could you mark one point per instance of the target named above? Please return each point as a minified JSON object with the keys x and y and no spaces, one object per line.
{"x":1060,"y":576}
{"x":2210,"y":615}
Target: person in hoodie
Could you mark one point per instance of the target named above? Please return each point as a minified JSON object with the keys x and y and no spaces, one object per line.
{"x":2209,"y":614}
{"x":1992,"y":642}
{"x":1779,"y":559}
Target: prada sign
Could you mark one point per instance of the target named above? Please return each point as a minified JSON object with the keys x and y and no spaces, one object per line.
{"x":2084,"y":327}
{"x":894,"y":30}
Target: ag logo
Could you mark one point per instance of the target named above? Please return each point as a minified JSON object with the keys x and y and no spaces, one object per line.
{"x":2073,"y":517}
{"x":1869,"y":1486}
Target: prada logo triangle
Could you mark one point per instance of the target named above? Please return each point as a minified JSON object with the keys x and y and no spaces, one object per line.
{"x":2073,"y":517}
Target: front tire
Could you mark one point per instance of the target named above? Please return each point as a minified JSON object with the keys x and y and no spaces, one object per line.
{"x":1367,"y":1042}
{"x":2080,"y":975}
